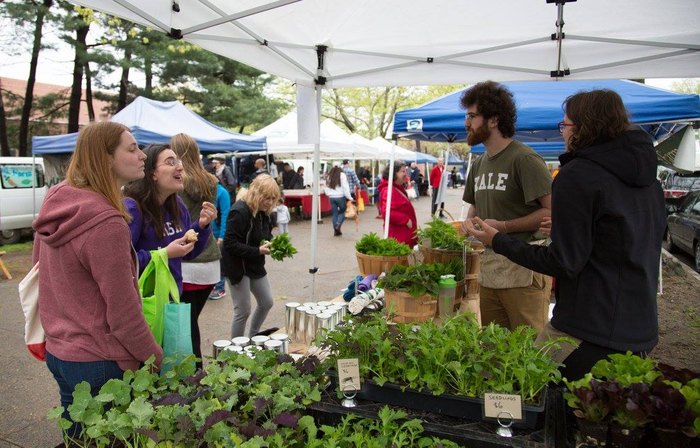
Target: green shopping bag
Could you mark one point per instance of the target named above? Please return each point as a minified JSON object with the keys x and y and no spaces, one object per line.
{"x":156,"y":286}
{"x":177,"y":335}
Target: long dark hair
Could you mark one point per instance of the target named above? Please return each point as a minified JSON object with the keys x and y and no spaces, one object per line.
{"x":493,"y":100}
{"x":334,"y":177}
{"x":144,"y":192}
{"x":598,"y":117}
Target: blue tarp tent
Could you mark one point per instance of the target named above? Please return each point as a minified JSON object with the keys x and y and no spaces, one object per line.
{"x":539,"y":107}
{"x":156,"y":122}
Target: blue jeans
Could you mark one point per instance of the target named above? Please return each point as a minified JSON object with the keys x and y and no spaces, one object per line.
{"x":338,"y":206}
{"x":69,"y":374}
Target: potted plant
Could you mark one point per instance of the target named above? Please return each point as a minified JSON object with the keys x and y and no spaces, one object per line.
{"x":376,"y":255}
{"x":440,"y":241}
{"x":410,"y":292}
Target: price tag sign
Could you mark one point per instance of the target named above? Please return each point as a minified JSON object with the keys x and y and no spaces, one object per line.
{"x":349,"y":374}
{"x":500,"y":405}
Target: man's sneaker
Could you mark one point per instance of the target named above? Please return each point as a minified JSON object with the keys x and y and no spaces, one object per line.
{"x":216,"y":295}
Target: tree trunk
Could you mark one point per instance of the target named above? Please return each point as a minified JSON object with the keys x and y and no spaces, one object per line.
{"x":124,"y":83}
{"x":77,"y":87}
{"x":31,"y":80}
{"x":88,"y":93}
{"x":4,"y":142}
{"x":148,"y":69}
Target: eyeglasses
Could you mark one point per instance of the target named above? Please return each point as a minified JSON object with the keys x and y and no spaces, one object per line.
{"x":472,"y":115}
{"x":562,"y":125}
{"x":172,"y":162}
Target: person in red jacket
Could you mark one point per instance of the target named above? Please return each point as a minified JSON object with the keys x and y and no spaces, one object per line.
{"x":402,"y":216}
{"x":435,"y":181}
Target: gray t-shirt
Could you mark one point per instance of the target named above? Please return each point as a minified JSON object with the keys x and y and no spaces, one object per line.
{"x":507,"y":185}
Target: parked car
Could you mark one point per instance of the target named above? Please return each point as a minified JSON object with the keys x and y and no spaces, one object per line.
{"x":683,"y":227}
{"x":20,"y":198}
{"x":677,"y":185}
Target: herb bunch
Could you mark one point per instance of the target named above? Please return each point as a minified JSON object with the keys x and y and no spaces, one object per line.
{"x":441,"y":235}
{"x":281,"y":247}
{"x":421,"y":279}
{"x":372,"y":244}
{"x":458,"y":357}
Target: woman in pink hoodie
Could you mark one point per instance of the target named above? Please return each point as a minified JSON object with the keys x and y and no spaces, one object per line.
{"x":89,"y":302}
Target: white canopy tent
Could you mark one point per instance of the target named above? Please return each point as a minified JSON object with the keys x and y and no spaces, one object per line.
{"x":336,"y":43}
{"x":283,"y":139}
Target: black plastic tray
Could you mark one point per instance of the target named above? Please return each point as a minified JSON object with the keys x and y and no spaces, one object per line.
{"x":452,"y":405}
{"x":472,"y":434}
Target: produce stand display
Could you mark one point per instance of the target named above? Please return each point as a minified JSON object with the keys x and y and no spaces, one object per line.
{"x":550,"y":433}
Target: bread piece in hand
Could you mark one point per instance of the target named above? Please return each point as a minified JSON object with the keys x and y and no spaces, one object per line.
{"x":191,"y":236}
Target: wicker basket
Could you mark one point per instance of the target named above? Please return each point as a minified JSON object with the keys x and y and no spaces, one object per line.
{"x":404,"y":308}
{"x":374,"y":264}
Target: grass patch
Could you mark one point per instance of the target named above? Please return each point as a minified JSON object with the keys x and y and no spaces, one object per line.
{"x":18,"y":247}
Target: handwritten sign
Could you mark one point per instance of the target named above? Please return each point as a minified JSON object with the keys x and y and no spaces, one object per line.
{"x":500,"y":405}
{"x":349,"y":374}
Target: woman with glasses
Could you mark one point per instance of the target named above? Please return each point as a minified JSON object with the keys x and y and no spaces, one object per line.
{"x":608,"y":219}
{"x":89,"y":302}
{"x":159,"y":217}
{"x":244,"y":253}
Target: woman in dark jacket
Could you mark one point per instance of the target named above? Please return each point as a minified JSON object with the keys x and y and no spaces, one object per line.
{"x":244,"y":256}
{"x":608,"y":219}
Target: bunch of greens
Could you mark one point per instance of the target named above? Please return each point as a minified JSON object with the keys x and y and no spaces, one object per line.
{"x":441,"y":235}
{"x":281,"y":247}
{"x":633,"y":392}
{"x":458,"y":357}
{"x":371,"y":244}
{"x":234,"y":399}
{"x":421,"y":279}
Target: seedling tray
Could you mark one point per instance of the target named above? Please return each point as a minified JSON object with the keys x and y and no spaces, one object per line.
{"x":452,"y":405}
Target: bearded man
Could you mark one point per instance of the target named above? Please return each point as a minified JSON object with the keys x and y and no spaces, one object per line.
{"x":509,"y":187}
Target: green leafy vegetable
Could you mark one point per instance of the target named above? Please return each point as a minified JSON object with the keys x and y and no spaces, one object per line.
{"x":372,"y":244}
{"x":441,"y":235}
{"x":281,"y":247}
{"x":421,"y":279}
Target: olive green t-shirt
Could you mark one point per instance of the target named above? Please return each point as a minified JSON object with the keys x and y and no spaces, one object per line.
{"x":507,"y":185}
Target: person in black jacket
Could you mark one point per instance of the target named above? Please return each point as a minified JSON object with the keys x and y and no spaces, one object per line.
{"x":608,"y":220}
{"x":244,"y":255}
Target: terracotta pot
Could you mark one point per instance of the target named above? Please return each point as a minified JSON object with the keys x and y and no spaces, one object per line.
{"x":592,"y":433}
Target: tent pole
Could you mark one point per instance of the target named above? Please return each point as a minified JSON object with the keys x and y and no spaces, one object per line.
{"x":315,"y":209}
{"x":389,"y":191}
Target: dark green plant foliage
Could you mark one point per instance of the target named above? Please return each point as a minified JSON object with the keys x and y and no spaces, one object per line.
{"x":633,"y":391}
{"x":441,"y":235}
{"x":372,"y":244}
{"x":421,"y":279}
{"x":458,"y":357}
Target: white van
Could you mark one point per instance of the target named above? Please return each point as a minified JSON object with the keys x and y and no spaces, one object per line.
{"x":22,"y":190}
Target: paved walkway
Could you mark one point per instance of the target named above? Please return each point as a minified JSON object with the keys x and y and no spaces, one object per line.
{"x":28,"y":391}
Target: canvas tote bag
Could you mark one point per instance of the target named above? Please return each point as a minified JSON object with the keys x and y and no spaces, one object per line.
{"x":34,"y":335}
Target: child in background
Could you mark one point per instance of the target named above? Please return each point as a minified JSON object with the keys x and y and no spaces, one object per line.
{"x":283,"y":217}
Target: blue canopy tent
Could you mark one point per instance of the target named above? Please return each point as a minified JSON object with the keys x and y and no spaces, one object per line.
{"x":156,"y":122}
{"x":539,"y":105}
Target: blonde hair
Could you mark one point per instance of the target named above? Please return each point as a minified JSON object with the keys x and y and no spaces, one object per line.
{"x":199,"y":184}
{"x":263,"y":187}
{"x":91,"y":164}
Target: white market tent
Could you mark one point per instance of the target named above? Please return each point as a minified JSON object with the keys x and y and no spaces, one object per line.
{"x":283,"y":139}
{"x":336,"y":43}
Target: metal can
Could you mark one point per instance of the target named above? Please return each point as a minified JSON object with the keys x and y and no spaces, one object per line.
{"x":241,"y":341}
{"x":282,"y":338}
{"x":300,"y":317}
{"x":233,"y":348}
{"x":323,"y":323}
{"x":218,"y":346}
{"x":311,"y":325}
{"x":259,"y":340}
{"x":274,"y":345}
{"x":290,"y":322}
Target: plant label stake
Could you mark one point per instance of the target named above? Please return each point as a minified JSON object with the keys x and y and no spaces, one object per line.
{"x":503,"y":406}
{"x":504,"y":428}
{"x":349,"y":380}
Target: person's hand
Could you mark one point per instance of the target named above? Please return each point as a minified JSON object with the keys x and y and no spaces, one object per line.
{"x":496,"y":224}
{"x":479,"y":229}
{"x":207,"y":215}
{"x":409,"y":224}
{"x":179,"y":248}
{"x":546,"y":226}
{"x":265,"y":249}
